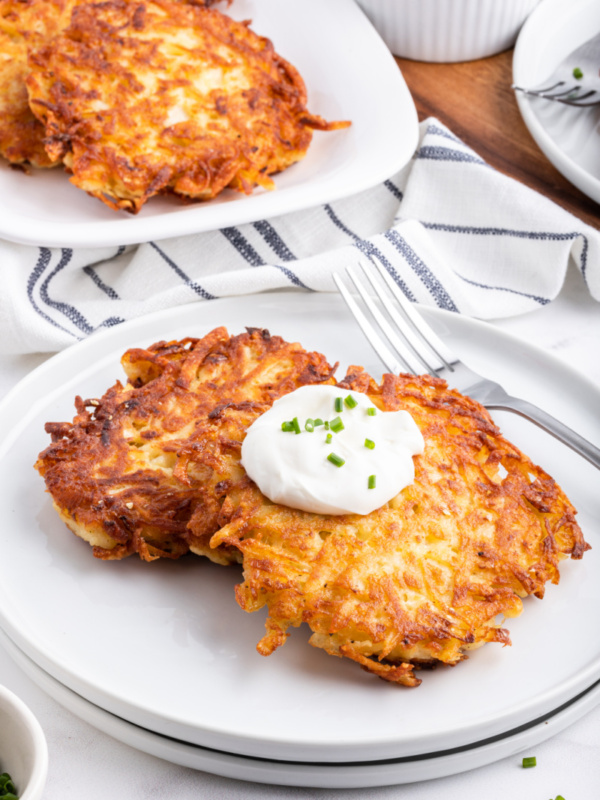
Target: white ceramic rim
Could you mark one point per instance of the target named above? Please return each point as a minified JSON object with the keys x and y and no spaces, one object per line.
{"x":44,"y":209}
{"x":576,"y":403}
{"x":39,"y":773}
{"x":328,"y":776}
{"x":550,"y":16}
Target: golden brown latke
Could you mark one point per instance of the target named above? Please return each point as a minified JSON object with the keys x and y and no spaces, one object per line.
{"x":132,"y":468}
{"x":24,"y":23}
{"x":148,"y":97}
{"x":422,"y":579}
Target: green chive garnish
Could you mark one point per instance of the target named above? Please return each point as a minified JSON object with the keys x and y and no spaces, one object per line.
{"x":336,"y":425}
{"x":317,"y":421}
{"x":577,"y":73}
{"x":309,"y":425}
{"x":350,"y":401}
{"x":370,"y":444}
{"x":7,"y":787}
{"x":328,"y":438}
{"x":326,"y":424}
{"x":559,"y":797}
{"x":371,"y":411}
{"x":529,"y":762}
{"x":287,"y":427}
{"x":338,"y":404}
{"x":372,"y":481}
{"x":296,"y":425}
{"x":336,"y":460}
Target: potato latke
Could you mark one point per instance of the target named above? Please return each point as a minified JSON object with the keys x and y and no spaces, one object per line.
{"x":24,"y":23}
{"x":154,"y":468}
{"x":134,"y":467}
{"x":421,"y":580}
{"x":140,"y":98}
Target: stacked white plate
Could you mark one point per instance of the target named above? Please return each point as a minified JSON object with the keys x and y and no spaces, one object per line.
{"x":329,"y":43}
{"x":160,"y":656}
{"x":567,"y":135}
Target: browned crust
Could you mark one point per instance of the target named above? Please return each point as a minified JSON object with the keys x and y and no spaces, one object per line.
{"x":154,"y":468}
{"x":135,"y":466}
{"x":130,"y":102}
{"x":422,"y":580}
{"x":24,"y":23}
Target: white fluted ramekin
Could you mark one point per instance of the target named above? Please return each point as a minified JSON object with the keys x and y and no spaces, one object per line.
{"x":447,"y":30}
{"x":23,"y":748}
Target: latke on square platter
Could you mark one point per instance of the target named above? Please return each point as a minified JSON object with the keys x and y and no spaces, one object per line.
{"x":141,"y":98}
{"x":24,"y":24}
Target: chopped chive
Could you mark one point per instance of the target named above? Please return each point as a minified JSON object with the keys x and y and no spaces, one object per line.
{"x":318,"y":421}
{"x":371,"y":411}
{"x":328,"y":438}
{"x":559,"y":797}
{"x":370,"y":444}
{"x":326,"y":425}
{"x":338,"y":404}
{"x":7,"y":787}
{"x":309,"y":425}
{"x":577,"y":73}
{"x":529,"y":762}
{"x":336,"y":425}
{"x":287,"y":427}
{"x":296,"y":425}
{"x":350,"y":401}
{"x":372,"y":481}
{"x":336,"y":460}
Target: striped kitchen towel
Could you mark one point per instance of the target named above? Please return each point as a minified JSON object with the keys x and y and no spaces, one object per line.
{"x":452,"y":231}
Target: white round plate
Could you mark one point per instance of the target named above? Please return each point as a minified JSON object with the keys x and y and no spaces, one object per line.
{"x":569,"y":137}
{"x":290,"y":773}
{"x":165,"y":646}
{"x":348,"y":75}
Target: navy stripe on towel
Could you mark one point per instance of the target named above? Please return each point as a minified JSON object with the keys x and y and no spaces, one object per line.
{"x":274,"y":240}
{"x":541,"y":300}
{"x":243,"y":246}
{"x":37,"y":272}
{"x":108,"y":290}
{"x":70,"y":312}
{"x":436,"y":153}
{"x":369,"y":249}
{"x":431,"y":283}
{"x":178,"y":271}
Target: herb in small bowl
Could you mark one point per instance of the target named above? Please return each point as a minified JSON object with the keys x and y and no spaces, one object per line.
{"x":8,"y":790}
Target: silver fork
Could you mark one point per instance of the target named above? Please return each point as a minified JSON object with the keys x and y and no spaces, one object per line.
{"x":410,"y":345}
{"x":564,"y":87}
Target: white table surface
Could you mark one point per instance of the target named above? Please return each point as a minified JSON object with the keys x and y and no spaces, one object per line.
{"x":86,"y":764}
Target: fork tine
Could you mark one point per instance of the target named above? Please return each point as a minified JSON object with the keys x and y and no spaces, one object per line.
{"x":409,"y":337}
{"x":576,"y":100}
{"x":569,"y":97}
{"x":409,"y":356}
{"x":384,"y":353}
{"x":427,"y":334}
{"x":427,"y":355}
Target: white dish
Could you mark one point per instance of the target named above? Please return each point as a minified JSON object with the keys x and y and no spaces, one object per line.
{"x":23,"y":748}
{"x":351,"y":76}
{"x":288,"y":773}
{"x":448,"y":30}
{"x":569,"y":137}
{"x":99,"y":626}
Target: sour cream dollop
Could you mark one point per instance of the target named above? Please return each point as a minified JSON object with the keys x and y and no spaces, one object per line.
{"x":293,"y":468}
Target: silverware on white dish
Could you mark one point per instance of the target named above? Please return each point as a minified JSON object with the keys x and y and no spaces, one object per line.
{"x":406,"y":343}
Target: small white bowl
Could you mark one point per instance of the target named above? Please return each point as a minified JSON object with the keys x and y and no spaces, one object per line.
{"x":23,"y":748}
{"x":447,"y":30}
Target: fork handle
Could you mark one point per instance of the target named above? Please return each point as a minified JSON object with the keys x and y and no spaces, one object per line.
{"x":562,"y":432}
